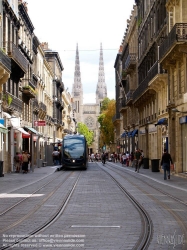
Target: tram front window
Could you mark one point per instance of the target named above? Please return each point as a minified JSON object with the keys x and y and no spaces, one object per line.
{"x":73,"y":148}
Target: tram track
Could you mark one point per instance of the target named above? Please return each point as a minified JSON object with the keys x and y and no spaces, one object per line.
{"x":30,"y":195}
{"x":158,"y":189}
{"x":147,"y":228}
{"x":50,"y":220}
{"x":37,"y":207}
{"x":175,"y":215}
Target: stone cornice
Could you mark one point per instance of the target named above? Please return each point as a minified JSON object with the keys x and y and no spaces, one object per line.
{"x":10,"y":12}
{"x":25,"y":17}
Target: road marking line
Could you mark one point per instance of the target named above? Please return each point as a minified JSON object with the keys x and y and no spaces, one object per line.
{"x":95,"y":226}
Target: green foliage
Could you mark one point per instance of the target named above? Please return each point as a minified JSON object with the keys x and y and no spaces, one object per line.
{"x":30,"y":88}
{"x":3,"y":50}
{"x":124,"y":74}
{"x":104,"y":104}
{"x":106,"y":123}
{"x":9,"y":101}
{"x":83,"y":130}
{"x":139,"y":21}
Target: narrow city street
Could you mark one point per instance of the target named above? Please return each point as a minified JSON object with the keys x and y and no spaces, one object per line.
{"x":105,"y":207}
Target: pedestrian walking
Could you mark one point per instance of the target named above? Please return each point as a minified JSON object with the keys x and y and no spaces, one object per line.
{"x":96,"y":157}
{"x":123,"y":159}
{"x":92,"y":157}
{"x":138,"y":159}
{"x":142,"y":156}
{"x":115,"y":157}
{"x":17,"y":162}
{"x":127,"y":158}
{"x":55,"y":155}
{"x":89,"y":158}
{"x":103,"y":157}
{"x":29,"y":161}
{"x":25,"y":162}
{"x":131,"y":157}
{"x":165,"y":163}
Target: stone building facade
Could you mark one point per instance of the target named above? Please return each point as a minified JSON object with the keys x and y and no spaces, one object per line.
{"x":158,"y":98}
{"x":31,"y":89}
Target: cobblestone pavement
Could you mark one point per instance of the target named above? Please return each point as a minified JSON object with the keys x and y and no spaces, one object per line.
{"x":99,"y":216}
{"x":12,"y":181}
{"x":165,"y":213}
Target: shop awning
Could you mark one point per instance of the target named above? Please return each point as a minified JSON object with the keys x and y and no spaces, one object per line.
{"x":123,"y":135}
{"x":15,"y":122}
{"x":3,"y":129}
{"x":134,"y":132}
{"x":130,"y":133}
{"x":163,"y":121}
{"x":32,"y":130}
{"x":7,"y":115}
{"x":24,"y":136}
{"x":22,"y":131}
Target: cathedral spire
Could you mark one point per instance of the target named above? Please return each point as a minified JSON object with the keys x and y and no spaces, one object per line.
{"x":101,"y":90}
{"x":77,"y":90}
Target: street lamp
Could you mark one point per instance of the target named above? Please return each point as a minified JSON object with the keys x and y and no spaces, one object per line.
{"x":176,"y":110}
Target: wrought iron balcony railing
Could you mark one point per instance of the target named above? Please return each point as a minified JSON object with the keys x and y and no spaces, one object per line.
{"x":131,"y":61}
{"x":143,"y":85}
{"x":141,"y":88}
{"x":129,"y":95}
{"x":15,"y":54}
{"x":49,"y":118}
{"x":122,"y":104}
{"x":116,"y":117}
{"x":42,"y":106}
{"x":177,"y":34}
{"x":5,"y":60}
{"x":35,"y":104}
{"x":59,"y":83}
{"x":11,"y":102}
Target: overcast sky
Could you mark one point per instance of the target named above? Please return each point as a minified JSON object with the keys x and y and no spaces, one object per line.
{"x":64,"y":23}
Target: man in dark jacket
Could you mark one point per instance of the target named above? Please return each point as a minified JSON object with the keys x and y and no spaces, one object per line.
{"x":103,"y":158}
{"x":165,"y":163}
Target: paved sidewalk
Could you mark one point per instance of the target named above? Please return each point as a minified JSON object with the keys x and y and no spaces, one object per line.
{"x":175,"y":181}
{"x":12,"y":181}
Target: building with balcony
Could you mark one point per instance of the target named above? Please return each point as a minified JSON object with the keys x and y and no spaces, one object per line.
{"x":67,"y":114}
{"x":153,"y":79}
{"x":53,"y":59}
{"x":12,"y":103}
{"x":173,"y":59}
{"x":126,"y":83}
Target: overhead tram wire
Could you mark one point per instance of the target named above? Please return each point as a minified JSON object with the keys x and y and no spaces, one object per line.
{"x":88,"y":49}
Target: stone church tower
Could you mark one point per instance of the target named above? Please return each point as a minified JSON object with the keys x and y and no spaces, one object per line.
{"x":88,"y":113}
{"x":77,"y":89}
{"x":101,"y":91}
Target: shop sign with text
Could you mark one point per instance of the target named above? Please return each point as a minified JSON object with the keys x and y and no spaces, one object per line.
{"x":39,"y":123}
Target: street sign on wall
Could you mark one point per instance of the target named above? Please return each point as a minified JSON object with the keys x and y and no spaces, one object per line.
{"x":39,"y":123}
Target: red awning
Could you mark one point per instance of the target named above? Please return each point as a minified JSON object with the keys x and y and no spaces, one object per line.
{"x":26,"y":136}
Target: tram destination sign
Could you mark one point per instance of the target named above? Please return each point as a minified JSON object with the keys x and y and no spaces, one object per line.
{"x":39,"y":123}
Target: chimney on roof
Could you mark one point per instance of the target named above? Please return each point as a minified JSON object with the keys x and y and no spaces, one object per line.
{"x":120,"y":48}
{"x":45,"y":46}
{"x":25,"y":5}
